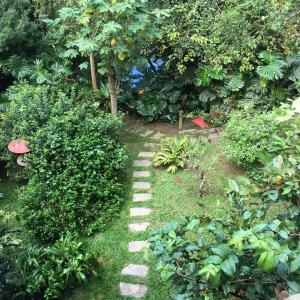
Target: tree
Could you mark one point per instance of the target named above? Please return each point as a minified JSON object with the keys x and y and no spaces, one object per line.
{"x":114,"y":30}
{"x":20,"y":37}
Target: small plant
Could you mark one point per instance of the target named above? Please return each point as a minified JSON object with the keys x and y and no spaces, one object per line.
{"x":172,"y":154}
{"x":247,"y":135}
{"x":49,"y":271}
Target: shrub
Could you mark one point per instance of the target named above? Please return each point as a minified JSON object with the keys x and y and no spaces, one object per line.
{"x":30,"y":107}
{"x":49,"y":271}
{"x":75,"y":174}
{"x":247,"y":135}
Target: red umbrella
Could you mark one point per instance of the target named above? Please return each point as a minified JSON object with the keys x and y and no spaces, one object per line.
{"x":18,"y":147}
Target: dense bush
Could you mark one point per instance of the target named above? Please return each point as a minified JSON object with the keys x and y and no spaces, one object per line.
{"x":75,"y":174}
{"x":30,"y":107}
{"x":47,"y":272}
{"x":247,"y":135}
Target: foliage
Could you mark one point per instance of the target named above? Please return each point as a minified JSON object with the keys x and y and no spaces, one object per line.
{"x":194,"y":153}
{"x":222,"y":260}
{"x":253,"y":252}
{"x":30,"y":107}
{"x":20,"y":35}
{"x":9,"y":243}
{"x":48,"y":271}
{"x":246,"y":135}
{"x":279,"y":182}
{"x":227,"y":34}
{"x":158,"y":106}
{"x":172,"y":154}
{"x":75,"y":169}
{"x":115,"y":31}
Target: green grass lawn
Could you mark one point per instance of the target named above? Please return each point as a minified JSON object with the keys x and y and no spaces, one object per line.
{"x":173,"y":196}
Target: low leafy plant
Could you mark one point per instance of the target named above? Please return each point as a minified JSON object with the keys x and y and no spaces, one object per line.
{"x":195,"y":151}
{"x":48,"y":271}
{"x":9,"y":243}
{"x":158,"y":106}
{"x":247,"y":135}
{"x":172,"y":154}
{"x":222,"y":260}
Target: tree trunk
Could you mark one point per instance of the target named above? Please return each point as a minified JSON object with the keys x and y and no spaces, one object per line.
{"x":93,"y":71}
{"x":113,"y":91}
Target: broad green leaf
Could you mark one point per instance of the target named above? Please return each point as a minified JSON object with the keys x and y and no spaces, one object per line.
{"x":228,"y":266}
{"x":295,"y":264}
{"x":267,"y":261}
{"x":233,"y":185}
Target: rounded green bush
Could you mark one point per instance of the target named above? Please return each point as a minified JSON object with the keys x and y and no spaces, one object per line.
{"x":76,"y":168}
{"x":247,"y":135}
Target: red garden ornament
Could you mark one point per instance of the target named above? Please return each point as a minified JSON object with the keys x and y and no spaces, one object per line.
{"x":19,"y":147}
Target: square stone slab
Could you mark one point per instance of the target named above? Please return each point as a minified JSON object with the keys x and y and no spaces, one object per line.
{"x":158,"y":136}
{"x":136,"y":270}
{"x":142,"y":163}
{"x":141,"y":185}
{"x":133,"y":290}
{"x":146,"y":133}
{"x":146,"y":154}
{"x":138,"y":227}
{"x":141,"y":174}
{"x":213,"y":137}
{"x":151,"y":145}
{"x":137,"y":246}
{"x":141,"y":197}
{"x":139,"y":211}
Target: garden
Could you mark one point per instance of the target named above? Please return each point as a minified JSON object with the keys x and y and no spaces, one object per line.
{"x":150,"y":149}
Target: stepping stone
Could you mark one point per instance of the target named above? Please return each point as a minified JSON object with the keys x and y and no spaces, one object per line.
{"x":142,"y":163}
{"x":136,"y":130}
{"x":147,"y":133}
{"x":137,"y":246}
{"x":139,"y":211}
{"x":213,"y":137}
{"x":138,"y":227}
{"x":133,"y":290}
{"x":141,"y":185}
{"x":157,"y":136}
{"x":146,"y":154}
{"x":136,"y":270}
{"x":141,"y":197}
{"x":151,"y":145}
{"x":141,"y":174}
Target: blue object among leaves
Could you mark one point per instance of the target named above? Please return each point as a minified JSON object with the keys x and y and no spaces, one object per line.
{"x":137,"y":76}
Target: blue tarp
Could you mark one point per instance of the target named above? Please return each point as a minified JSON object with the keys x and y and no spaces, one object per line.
{"x":137,"y":76}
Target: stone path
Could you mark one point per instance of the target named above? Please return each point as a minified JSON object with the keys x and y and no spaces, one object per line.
{"x":139,"y":214}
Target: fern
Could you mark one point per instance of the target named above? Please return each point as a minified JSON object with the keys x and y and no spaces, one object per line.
{"x":172,"y":154}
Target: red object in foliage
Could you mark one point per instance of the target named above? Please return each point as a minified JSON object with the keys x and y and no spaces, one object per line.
{"x":18,"y":147}
{"x":200,"y":122}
